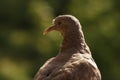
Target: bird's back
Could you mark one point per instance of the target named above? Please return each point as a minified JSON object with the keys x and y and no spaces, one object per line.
{"x":74,"y":67}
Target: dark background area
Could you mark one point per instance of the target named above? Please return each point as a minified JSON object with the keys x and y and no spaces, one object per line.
{"x":23,"y":48}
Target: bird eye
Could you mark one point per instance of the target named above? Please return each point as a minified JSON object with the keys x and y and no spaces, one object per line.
{"x":59,"y":23}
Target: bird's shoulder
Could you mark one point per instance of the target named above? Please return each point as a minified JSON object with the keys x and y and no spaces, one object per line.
{"x":44,"y":70}
{"x":77,"y":67}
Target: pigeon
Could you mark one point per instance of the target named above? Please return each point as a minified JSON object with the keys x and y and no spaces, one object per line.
{"x":74,"y":60}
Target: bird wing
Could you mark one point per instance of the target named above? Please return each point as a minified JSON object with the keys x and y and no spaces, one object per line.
{"x":78,"y":70}
{"x":44,"y":70}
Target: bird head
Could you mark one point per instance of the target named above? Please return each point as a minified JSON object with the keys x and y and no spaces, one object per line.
{"x":63,"y":24}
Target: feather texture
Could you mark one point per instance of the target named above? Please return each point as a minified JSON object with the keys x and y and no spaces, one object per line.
{"x":74,"y":60}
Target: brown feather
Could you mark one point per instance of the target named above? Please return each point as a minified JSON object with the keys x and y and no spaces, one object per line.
{"x":74,"y":61}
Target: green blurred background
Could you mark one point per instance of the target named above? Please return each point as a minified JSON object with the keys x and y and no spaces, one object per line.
{"x":23,"y":48}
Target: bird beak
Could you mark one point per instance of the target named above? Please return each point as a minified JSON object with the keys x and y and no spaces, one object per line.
{"x":48,"y":30}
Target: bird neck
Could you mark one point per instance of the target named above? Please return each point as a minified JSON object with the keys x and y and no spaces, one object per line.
{"x":74,"y":42}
